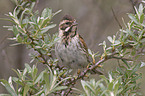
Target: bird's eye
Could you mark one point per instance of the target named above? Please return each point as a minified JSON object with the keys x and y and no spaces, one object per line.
{"x":67,"y":23}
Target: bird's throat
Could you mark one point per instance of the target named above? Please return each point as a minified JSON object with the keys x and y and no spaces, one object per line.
{"x":67,"y":36}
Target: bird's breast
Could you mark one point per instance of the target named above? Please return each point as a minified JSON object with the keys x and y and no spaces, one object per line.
{"x":71,"y":54}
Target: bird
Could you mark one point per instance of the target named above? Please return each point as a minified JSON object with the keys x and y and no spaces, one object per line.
{"x":71,"y":49}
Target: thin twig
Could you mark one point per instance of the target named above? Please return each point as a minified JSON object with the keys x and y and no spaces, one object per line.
{"x":116,"y":18}
{"x":69,"y":90}
{"x":122,"y":58}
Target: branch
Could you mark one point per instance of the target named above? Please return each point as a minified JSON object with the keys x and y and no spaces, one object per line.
{"x":122,"y":58}
{"x":116,"y":18}
{"x":83,"y":73}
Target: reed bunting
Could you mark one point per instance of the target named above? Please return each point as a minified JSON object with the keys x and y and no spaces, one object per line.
{"x":71,"y":50}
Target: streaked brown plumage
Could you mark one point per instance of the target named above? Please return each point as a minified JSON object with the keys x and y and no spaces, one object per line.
{"x":71,"y":50}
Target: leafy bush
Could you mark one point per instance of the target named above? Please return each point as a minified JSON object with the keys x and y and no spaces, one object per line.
{"x":32,"y":29}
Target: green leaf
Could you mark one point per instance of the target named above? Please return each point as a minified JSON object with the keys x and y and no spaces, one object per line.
{"x":15,"y":30}
{"x":141,"y":33}
{"x":27,"y":66}
{"x":90,"y":87}
{"x":110,"y":78}
{"x":116,"y":88}
{"x":44,"y":22}
{"x":142,"y":64}
{"x":47,"y":12}
{"x":19,"y":38}
{"x":15,"y":79}
{"x":34,"y":72}
{"x":142,"y":40}
{"x":117,"y":42}
{"x":59,"y":88}
{"x":141,"y":18}
{"x":141,"y":8}
{"x":132,"y":17}
{"x":120,"y":71}
{"x":119,"y":91}
{"x":110,"y":39}
{"x":131,"y":33}
{"x":133,"y":52}
{"x":47,"y":28}
{"x":90,"y":52}
{"x":128,"y":88}
{"x":17,"y":72}
{"x":23,"y":13}
{"x":137,"y":15}
{"x":5,"y":95}
{"x":79,"y":91}
{"x":14,"y":18}
{"x":110,"y":86}
{"x":39,"y":93}
{"x":105,"y":92}
{"x":32,"y":5}
{"x":10,"y":82}
{"x":102,"y":86}
{"x":8,"y":87}
{"x":24,"y":73}
{"x":26,"y":89}
{"x":15,"y":44}
{"x":39,"y":77}
{"x":85,"y":87}
{"x":21,"y":30}
{"x":136,"y":67}
{"x":104,"y":78}
{"x":38,"y":47}
{"x":7,"y":20}
{"x":47,"y":82}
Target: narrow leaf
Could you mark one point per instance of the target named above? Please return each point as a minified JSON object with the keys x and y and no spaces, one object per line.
{"x":110,"y":39}
{"x":5,"y":95}
{"x":47,"y":28}
{"x":26,"y":89}
{"x":132,"y":17}
{"x":8,"y":87}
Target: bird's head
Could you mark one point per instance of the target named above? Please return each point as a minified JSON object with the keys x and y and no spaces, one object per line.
{"x":67,"y":25}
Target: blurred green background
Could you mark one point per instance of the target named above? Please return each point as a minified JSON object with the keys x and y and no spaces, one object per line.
{"x":96,"y":22}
